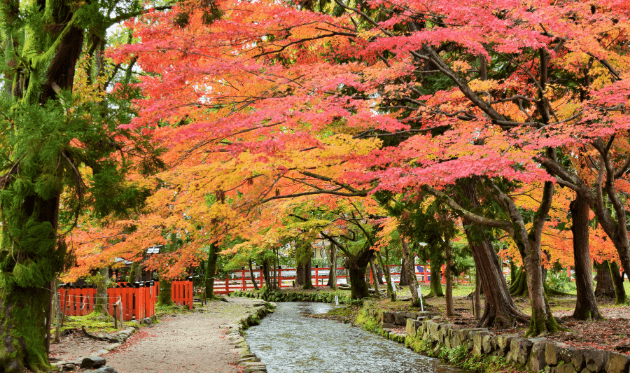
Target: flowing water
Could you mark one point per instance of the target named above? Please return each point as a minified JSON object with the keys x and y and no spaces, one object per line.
{"x":288,"y":342}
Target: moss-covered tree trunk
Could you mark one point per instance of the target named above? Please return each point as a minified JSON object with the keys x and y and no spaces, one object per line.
{"x":435,"y":285}
{"x":164,"y":297}
{"x":586,"y":304}
{"x":211,"y":270}
{"x":605,"y":287}
{"x":518,"y":287}
{"x":100,"y":305}
{"x":32,"y":255}
{"x":620,"y":292}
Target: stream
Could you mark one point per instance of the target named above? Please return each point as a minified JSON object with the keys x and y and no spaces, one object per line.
{"x":287,"y":342}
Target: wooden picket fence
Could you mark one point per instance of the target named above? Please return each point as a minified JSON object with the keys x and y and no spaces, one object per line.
{"x":137,"y":300}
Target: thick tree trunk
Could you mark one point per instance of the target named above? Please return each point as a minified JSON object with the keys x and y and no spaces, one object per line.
{"x":332,"y":273}
{"x":23,"y":329}
{"x":251,"y":275}
{"x":620,"y":292}
{"x":299,"y":274}
{"x":308,"y":284}
{"x":500,"y":309}
{"x":266,"y":274}
{"x":450,"y":310}
{"x":379,"y":275}
{"x":164,"y":297}
{"x":435,"y":285}
{"x":100,"y":305}
{"x":211,"y":270}
{"x":518,"y":288}
{"x":404,"y":274}
{"x":605,"y":287}
{"x":408,"y":268}
{"x":586,"y":305}
{"x":357,"y":266}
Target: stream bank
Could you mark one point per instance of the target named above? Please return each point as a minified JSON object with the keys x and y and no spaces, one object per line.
{"x":288,"y":341}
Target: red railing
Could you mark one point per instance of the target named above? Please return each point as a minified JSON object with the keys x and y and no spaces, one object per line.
{"x":182,"y":293}
{"x":136,"y":300}
{"x":241,"y":279}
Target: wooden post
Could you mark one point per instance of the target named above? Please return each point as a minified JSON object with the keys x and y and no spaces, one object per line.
{"x":279,"y":278}
{"x":243,"y":280}
{"x":115,"y":305}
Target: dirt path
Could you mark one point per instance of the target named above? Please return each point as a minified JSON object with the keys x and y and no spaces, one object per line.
{"x":192,"y":343}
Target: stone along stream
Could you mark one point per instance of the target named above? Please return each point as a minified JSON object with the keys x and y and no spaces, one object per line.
{"x":289,"y":342}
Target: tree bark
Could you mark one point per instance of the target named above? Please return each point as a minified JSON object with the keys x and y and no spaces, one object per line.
{"x":388,"y":277}
{"x":308,"y":284}
{"x":357,"y":264}
{"x":332,"y":273}
{"x":620,"y":292}
{"x":477,"y":295}
{"x":586,"y":305}
{"x":374,"y":279}
{"x":379,"y":275}
{"x":404,"y":274}
{"x":299,"y":274}
{"x":500,"y":309}
{"x":450,"y":310}
{"x":408,"y":268}
{"x":518,"y":288}
{"x":100,"y":305}
{"x":435,"y":284}
{"x":605,"y":287}
{"x":266,"y":274}
{"x":211,"y":270}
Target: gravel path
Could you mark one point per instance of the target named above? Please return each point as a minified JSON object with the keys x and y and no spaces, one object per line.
{"x":186,"y":343}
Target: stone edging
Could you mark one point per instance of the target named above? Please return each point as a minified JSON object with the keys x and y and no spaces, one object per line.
{"x":534,"y":354}
{"x":121,"y":336}
{"x":234,"y":332}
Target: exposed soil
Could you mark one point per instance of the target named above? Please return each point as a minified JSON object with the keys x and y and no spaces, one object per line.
{"x":191,"y":342}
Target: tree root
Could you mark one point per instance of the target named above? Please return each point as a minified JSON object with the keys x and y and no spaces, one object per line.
{"x":95,"y":337}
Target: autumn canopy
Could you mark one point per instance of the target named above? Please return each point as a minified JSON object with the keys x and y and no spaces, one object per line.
{"x":369,"y":126}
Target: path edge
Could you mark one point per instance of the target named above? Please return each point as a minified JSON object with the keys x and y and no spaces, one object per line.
{"x":235,"y":333}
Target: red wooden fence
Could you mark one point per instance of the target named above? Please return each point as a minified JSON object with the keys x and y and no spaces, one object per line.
{"x":137,"y":300}
{"x":241,"y":280}
{"x":182,"y":293}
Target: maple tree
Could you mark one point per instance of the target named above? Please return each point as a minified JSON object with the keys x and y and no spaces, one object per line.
{"x":463,"y":101}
